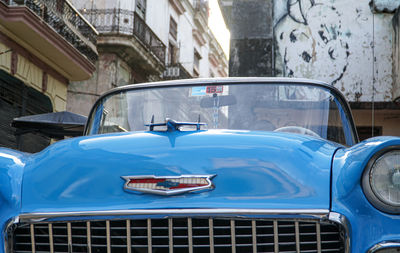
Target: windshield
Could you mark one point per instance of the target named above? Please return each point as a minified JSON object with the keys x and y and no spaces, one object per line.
{"x":297,"y":108}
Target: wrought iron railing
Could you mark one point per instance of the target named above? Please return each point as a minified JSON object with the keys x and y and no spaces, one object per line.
{"x":66,"y":21}
{"x":125,"y":22}
{"x":176,"y":71}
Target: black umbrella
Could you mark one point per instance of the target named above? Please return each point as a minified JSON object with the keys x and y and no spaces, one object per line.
{"x":55,"y":125}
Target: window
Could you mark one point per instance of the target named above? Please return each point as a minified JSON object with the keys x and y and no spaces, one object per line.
{"x":196,"y":62}
{"x":141,"y":8}
{"x":16,"y":100}
{"x":172,"y":54}
{"x":173,"y":28}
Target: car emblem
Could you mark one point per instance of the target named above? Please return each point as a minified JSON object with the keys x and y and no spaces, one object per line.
{"x":168,"y":185}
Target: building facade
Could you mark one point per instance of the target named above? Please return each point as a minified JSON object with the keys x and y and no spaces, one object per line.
{"x":147,"y":40}
{"x":44,"y":45}
{"x":351,"y":45}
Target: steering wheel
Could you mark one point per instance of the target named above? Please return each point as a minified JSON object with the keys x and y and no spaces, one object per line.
{"x":297,"y":130}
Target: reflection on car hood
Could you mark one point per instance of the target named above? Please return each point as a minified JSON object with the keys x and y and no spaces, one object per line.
{"x":253,"y":170}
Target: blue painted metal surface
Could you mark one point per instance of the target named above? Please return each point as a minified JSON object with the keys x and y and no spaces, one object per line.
{"x":11,"y":172}
{"x":254,"y":170}
{"x":369,"y":226}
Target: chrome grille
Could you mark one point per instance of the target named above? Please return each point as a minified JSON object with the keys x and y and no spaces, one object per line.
{"x":194,"y":234}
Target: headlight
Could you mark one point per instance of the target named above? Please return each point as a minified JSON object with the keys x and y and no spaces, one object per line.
{"x":381,"y":181}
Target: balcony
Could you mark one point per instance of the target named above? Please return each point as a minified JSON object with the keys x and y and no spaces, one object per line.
{"x":55,"y":32}
{"x":176,"y":71}
{"x":201,"y":15}
{"x":130,"y":36}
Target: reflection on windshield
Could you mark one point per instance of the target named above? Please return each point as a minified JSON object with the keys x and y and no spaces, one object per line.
{"x":301,"y":109}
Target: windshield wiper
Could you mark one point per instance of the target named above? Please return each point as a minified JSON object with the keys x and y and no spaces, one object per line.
{"x":173,"y":125}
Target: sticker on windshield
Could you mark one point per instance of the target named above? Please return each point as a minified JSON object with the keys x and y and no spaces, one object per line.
{"x":214,"y":89}
{"x":199,"y":91}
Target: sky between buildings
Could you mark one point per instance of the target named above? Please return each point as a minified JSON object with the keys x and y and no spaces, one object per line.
{"x":218,"y":27}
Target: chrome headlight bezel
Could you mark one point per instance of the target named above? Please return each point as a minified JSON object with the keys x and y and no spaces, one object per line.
{"x":377,"y":201}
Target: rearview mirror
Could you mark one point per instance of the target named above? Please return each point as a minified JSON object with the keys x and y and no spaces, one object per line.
{"x":217,"y":101}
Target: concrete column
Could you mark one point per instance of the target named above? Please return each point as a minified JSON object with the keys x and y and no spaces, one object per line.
{"x":252,"y":40}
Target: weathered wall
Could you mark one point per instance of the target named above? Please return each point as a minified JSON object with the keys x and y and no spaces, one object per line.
{"x":388,"y":6}
{"x":251,"y":50}
{"x":396,"y":55}
{"x":111,"y":72}
{"x":345,"y":43}
{"x":32,"y":75}
{"x":158,"y":13}
{"x":338,"y":41}
{"x":387,"y":119}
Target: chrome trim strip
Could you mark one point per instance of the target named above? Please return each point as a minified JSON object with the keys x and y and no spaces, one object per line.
{"x":233,"y":236}
{"x":108,"y":236}
{"x":88,"y":234}
{"x":276,"y":238}
{"x":149,"y":242}
{"x":51,"y":238}
{"x":33,"y":238}
{"x":211,"y":234}
{"x":170,"y":236}
{"x":7,"y":235}
{"x":341,"y":219}
{"x":190,"y":235}
{"x":384,"y":245}
{"x":217,"y":81}
{"x":128,"y":236}
{"x":291,"y":213}
{"x":297,"y":234}
{"x":69,"y":237}
{"x":253,"y":235}
{"x":318,"y":232}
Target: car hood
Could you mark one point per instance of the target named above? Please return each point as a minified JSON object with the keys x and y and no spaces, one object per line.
{"x":261,"y":170}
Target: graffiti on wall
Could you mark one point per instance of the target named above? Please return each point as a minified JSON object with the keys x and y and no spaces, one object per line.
{"x":313,"y":43}
{"x":333,"y":41}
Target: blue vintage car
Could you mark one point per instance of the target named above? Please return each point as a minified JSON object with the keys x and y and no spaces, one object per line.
{"x":207,"y":165}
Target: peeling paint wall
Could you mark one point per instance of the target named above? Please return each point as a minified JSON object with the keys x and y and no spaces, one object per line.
{"x":338,"y":41}
{"x":396,"y":56}
{"x":388,"y":6}
{"x":111,"y":72}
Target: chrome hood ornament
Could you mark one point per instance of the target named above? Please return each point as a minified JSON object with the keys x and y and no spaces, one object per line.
{"x":168,"y":185}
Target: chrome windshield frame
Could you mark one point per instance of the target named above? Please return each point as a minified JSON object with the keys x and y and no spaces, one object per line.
{"x":234,"y":81}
